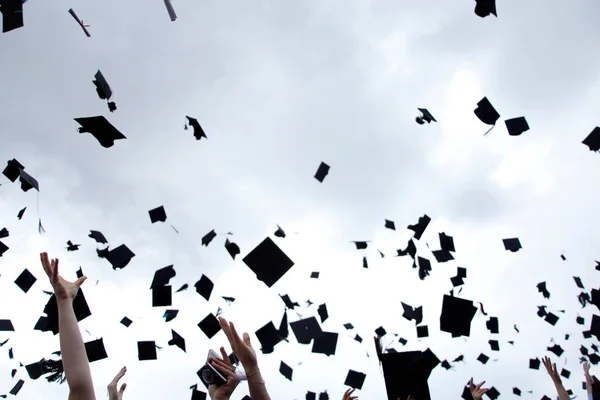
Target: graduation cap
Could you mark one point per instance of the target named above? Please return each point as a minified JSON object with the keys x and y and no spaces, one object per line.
{"x":407,"y":373}
{"x":305,"y":330}
{"x":206,"y":239}
{"x":6,"y":326}
{"x":126,"y":322}
{"x":279,"y":232}
{"x":158,"y":214}
{"x":162,"y":276}
{"x":413,"y":314}
{"x":120,"y":257}
{"x":146,"y":350}
{"x":25,"y":281}
{"x":442,"y":256}
{"x":578,"y":282}
{"x":198,"y":131}
{"x":323,"y":314}
{"x":516,"y":126}
{"x":17,"y":388}
{"x":325,"y":343}
{"x":483,"y":358}
{"x":286,"y":371}
{"x":551,"y":318}
{"x":210,"y":326}
{"x":21,"y":213}
{"x":355,"y":379}
{"x":315,"y":275}
{"x":456,"y":316}
{"x":72,"y":247}
{"x":380,"y":332}
{"x":232,"y":248}
{"x":12,"y":169}
{"x":170,"y":10}
{"x":422,"y":331}
{"x":3,"y":248}
{"x":556,"y":349}
{"x":268,"y":262}
{"x":419,"y":227}
{"x":492,"y":325}
{"x":104,"y":91}
{"x":50,"y":322}
{"x":390,"y":224}
{"x":322,"y":172}
{"x":424,"y":117}
{"x":410,"y":250}
{"x":512,"y":244}
{"x":204,"y":287}
{"x":494,"y":345}
{"x":365,"y":263}
{"x":170,"y":315}
{"x":3,"y":233}
{"x":177,"y":340}
{"x":95,"y":350}
{"x":424,"y":267}
{"x":483,"y":8}
{"x":534,"y":363}
{"x":486,"y":113}
{"x":98,"y":237}
{"x":446,"y":242}
{"x":12,"y":14}
{"x":162,"y":296}
{"x":580,"y":320}
{"x":288,"y":302}
{"x":593,"y":140}
{"x":101,"y":129}
{"x":28,"y":181}
{"x":348,"y":326}
{"x":360,"y":245}
{"x":80,"y":22}
{"x":268,"y":337}
{"x":542,"y":289}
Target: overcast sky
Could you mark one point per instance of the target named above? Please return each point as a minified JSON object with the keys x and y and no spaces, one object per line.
{"x":280,"y":87}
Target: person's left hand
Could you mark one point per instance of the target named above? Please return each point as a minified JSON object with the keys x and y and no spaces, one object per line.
{"x":113,"y":393}
{"x":224,"y":366}
{"x":476,"y":391}
{"x":348,"y":395}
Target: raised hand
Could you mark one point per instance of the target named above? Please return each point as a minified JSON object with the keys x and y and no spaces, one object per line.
{"x":224,"y":366}
{"x":586,"y":369}
{"x":242,"y":348}
{"x":113,"y":392}
{"x":62,"y":289}
{"x":476,"y":390}
{"x":551,"y":369}
{"x":348,"y":395}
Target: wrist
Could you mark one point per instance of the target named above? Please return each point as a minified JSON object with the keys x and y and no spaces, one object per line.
{"x":252,"y":370}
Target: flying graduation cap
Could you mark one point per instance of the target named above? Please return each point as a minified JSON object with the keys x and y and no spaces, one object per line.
{"x":80,"y":22}
{"x":170,"y":10}
{"x":424,"y":117}
{"x":12,"y":14}
{"x":483,"y":8}
{"x":593,"y":140}
{"x":198,"y":131}
{"x":101,"y":129}
{"x":104,"y":91}
{"x":486,"y":113}
{"x":516,"y":126}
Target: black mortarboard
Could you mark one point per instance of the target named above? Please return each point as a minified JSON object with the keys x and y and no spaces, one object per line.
{"x":402,"y":341}
{"x":556,"y":349}
{"x":516,"y":126}
{"x":495,"y":346}
{"x":98,"y":237}
{"x":80,"y":307}
{"x":486,"y":112}
{"x":3,"y":248}
{"x":198,"y":131}
{"x":21,"y":213}
{"x":232,"y":248}
{"x":28,"y":181}
{"x":102,"y":87}
{"x":593,"y":140}
{"x":358,"y":338}
{"x":12,"y":14}
{"x":3,"y":233}
{"x":286,"y":371}
{"x":355,"y":379}
{"x":126,"y":322}
{"x":492,"y":325}
{"x":407,"y":373}
{"x":204,"y":287}
{"x":162,"y":296}
{"x":177,"y":340}
{"x":578,"y":282}
{"x":413,"y":314}
{"x":197,"y":394}
{"x":315,"y":275}
{"x":365,"y":263}
{"x":442,"y":256}
{"x":182,"y":288}
{"x":15,"y":390}
{"x":6,"y":325}
{"x":101,"y":129}
{"x":323,"y":312}
{"x":422,"y":331}
{"x":325,"y":343}
{"x":580,"y":320}
{"x":410,"y":250}
{"x":206,"y":239}
{"x":95,"y":350}
{"x":163,"y":276}
{"x":552,"y":319}
{"x":26,"y":280}
{"x":456,"y":316}
{"x":493,"y":393}
{"x":446,"y":242}
{"x":466,"y":394}
{"x":146,"y":350}
{"x":483,"y":358}
{"x":210,"y":326}
{"x":595,"y":327}
{"x":543,"y":290}
{"x":120,"y":257}
{"x":13,"y":169}
{"x":512,"y":244}
{"x":268,"y":336}
{"x":424,"y":267}
{"x":542,"y":311}
{"x":534,"y":363}
{"x":360,"y":245}
{"x":565,"y":373}
{"x":348,"y":326}
{"x":288,"y":302}
{"x":380,"y":331}
{"x":516,"y":391}
{"x":322,"y":172}
{"x":424,"y":117}
{"x":279,"y":232}
{"x":72,"y":247}
{"x":311,"y":396}
{"x":323,"y":396}
{"x":268,"y":262}
{"x":446,"y":365}
{"x":170,"y":315}
{"x":306,"y":330}
{"x":158,"y":214}
{"x":483,"y":8}
{"x":79,"y":273}
{"x":419,"y":227}
{"x":390,"y":224}
{"x":457,"y":281}
{"x":462,"y":272}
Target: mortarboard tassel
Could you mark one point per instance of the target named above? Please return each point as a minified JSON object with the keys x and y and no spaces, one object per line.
{"x":55,"y":369}
{"x":489,"y":130}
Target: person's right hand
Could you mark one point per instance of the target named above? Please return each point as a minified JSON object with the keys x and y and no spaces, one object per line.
{"x":242,"y":348}
{"x":586,"y":369}
{"x":476,"y":391}
{"x":348,"y":395}
{"x":62,"y":289}
{"x":113,"y":392}
{"x":224,"y":391}
{"x":551,"y":369}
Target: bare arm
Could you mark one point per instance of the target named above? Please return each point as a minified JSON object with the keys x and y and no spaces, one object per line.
{"x":589,"y":381}
{"x":553,"y":372}
{"x":257,"y":385}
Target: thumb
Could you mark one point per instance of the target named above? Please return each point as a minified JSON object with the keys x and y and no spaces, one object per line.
{"x":123,"y":387}
{"x":247,"y":339}
{"x":80,"y":281}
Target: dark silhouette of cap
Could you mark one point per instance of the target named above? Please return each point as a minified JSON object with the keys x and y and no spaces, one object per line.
{"x":516,"y":126}
{"x":268,"y":262}
{"x":322,"y":172}
{"x":101,"y":129}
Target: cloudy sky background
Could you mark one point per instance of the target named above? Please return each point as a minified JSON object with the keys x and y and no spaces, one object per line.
{"x":280,"y":87}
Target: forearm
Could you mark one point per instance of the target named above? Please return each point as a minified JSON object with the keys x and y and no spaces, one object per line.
{"x":561,"y":391}
{"x":257,"y":385}
{"x":74,"y":357}
{"x":589,"y":384}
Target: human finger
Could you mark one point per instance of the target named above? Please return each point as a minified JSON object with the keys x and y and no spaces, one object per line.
{"x":54,"y":267}
{"x":225,"y":356}
{"x":223,"y":368}
{"x":234,"y":333}
{"x":225,"y":326}
{"x":247,"y":339}
{"x":123,"y":387}
{"x":80,"y":281}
